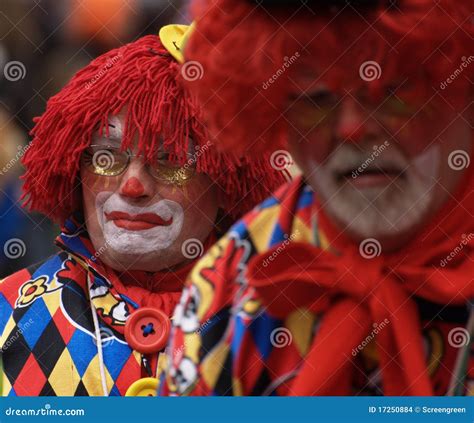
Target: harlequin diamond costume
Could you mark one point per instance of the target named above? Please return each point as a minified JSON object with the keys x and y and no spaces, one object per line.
{"x":74,"y":325}
{"x":296,"y":299}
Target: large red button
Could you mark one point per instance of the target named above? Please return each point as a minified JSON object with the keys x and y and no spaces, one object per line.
{"x":147,"y":330}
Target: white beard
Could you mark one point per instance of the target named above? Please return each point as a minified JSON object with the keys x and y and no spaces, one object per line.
{"x":377,"y":211}
{"x":144,"y":241}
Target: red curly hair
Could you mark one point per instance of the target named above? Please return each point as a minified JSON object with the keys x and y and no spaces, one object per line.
{"x":145,"y":78}
{"x":241,"y":45}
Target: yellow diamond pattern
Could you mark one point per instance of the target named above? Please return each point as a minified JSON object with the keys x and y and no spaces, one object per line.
{"x":64,"y":378}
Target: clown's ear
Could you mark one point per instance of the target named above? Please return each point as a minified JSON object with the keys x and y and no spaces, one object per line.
{"x":174,"y":37}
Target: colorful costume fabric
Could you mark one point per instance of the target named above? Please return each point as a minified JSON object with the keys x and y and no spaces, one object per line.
{"x":48,"y":340}
{"x":231,"y":337}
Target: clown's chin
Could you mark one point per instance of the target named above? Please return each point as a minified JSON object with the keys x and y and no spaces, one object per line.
{"x":378,"y":211}
{"x":124,"y":259}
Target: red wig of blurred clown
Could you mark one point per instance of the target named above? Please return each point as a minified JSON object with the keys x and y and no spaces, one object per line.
{"x":145,"y":80}
{"x":265,"y":40}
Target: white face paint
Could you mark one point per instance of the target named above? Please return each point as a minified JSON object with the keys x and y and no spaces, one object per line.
{"x":143,"y":241}
{"x":373,"y":210}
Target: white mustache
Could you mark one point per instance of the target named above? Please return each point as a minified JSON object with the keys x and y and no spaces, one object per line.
{"x":347,"y":158}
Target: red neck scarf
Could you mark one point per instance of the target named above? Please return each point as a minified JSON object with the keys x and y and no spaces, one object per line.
{"x":160,"y":290}
{"x":353,"y":294}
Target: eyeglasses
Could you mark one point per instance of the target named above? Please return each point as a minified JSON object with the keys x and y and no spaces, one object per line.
{"x":111,"y":161}
{"x":311,"y":110}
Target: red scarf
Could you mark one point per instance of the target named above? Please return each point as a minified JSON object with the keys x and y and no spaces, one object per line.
{"x":160,"y":290}
{"x":353,"y":293}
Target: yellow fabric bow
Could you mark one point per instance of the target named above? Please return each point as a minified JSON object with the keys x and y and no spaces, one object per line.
{"x":174,"y":38}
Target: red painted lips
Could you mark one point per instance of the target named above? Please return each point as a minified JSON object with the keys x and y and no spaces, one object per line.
{"x":137,"y":222}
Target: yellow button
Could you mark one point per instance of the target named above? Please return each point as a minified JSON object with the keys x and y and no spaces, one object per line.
{"x":145,"y":387}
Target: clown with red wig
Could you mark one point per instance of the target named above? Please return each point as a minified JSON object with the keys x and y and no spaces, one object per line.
{"x":121,"y":159}
{"x":357,"y":277}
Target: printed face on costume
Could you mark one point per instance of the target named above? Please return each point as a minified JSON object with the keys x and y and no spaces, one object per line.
{"x":140,"y":218}
{"x":380,"y":168}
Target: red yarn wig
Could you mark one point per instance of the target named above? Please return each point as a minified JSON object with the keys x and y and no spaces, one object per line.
{"x":242,"y":45}
{"x":143,"y":79}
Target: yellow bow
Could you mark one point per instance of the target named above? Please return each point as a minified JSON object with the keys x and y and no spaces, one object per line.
{"x":174,"y":37}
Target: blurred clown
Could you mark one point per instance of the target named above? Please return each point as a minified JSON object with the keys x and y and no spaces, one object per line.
{"x":357,"y":278}
{"x":121,"y":159}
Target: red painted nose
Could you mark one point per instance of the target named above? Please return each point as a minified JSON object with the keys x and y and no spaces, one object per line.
{"x":352,"y":125}
{"x":133,"y":188}
{"x":352,"y":131}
